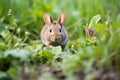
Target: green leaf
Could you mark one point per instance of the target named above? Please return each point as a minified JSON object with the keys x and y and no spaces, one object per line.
{"x":94,"y":21}
{"x":45,"y":56}
{"x":54,"y":50}
{"x":19,"y":53}
{"x":2,"y":44}
{"x":71,"y":62}
{"x":5,"y":34}
{"x":3,"y":74}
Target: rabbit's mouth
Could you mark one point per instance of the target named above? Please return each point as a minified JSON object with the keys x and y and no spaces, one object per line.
{"x":54,"y":44}
{"x":58,"y":39}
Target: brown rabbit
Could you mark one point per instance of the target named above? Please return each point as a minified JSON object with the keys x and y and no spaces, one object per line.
{"x":53,"y":33}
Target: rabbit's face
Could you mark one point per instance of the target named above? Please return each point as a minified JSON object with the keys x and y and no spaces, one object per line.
{"x":55,"y":31}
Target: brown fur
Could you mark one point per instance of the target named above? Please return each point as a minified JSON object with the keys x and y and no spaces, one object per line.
{"x":53,"y":33}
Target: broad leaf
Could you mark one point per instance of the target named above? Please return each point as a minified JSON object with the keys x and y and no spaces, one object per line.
{"x":19,"y":53}
{"x":94,"y":21}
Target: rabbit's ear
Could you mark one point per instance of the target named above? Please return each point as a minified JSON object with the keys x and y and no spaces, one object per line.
{"x":62,"y":18}
{"x":47,"y":19}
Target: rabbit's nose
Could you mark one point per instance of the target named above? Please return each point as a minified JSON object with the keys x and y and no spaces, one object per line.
{"x":57,"y":39}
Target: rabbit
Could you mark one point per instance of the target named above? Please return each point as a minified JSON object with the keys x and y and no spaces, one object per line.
{"x":53,"y":33}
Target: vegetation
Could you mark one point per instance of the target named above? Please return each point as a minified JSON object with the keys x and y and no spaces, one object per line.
{"x":93,"y":52}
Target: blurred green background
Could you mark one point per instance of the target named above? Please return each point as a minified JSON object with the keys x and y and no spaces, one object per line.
{"x":29,"y":14}
{"x":23,"y":57}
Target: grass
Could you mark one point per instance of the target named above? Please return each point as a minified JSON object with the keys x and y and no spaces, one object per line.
{"x":91,"y":54}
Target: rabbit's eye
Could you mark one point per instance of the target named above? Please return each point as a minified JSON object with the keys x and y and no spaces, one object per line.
{"x":50,"y":30}
{"x":60,"y":30}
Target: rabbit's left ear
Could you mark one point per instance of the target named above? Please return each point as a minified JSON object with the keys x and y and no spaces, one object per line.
{"x":61,"y":19}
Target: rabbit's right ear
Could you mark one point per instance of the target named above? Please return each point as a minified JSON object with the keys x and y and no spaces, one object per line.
{"x":47,"y":19}
{"x":61,"y":19}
